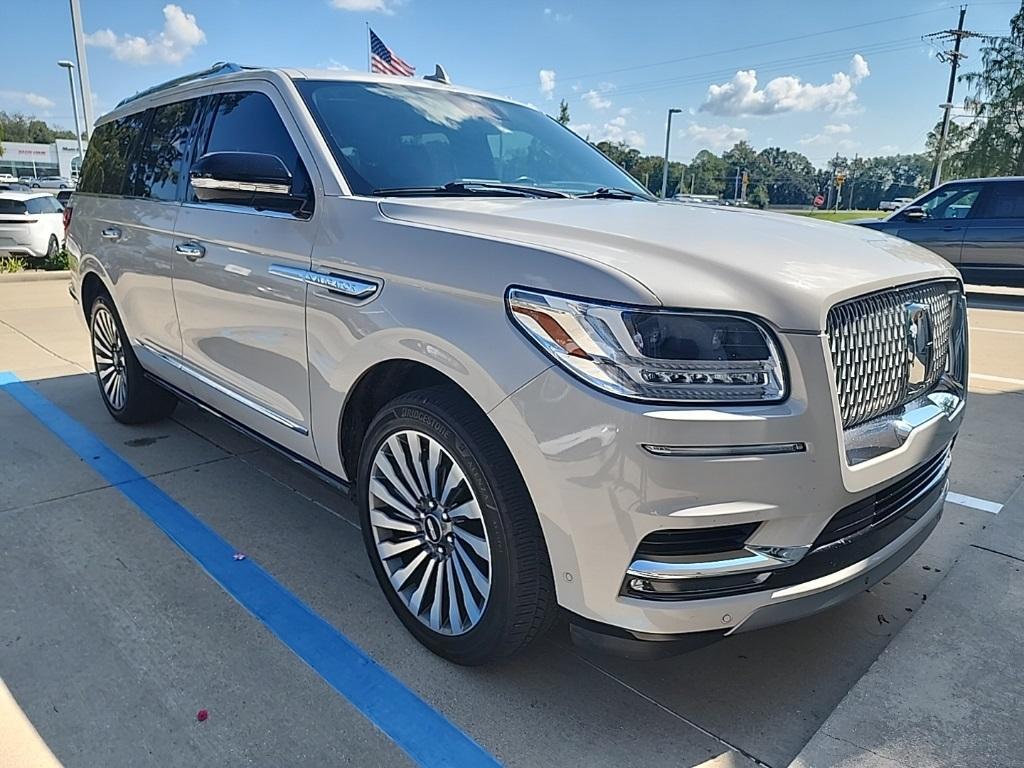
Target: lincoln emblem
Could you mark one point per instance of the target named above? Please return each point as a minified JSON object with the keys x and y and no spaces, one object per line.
{"x":919,"y":344}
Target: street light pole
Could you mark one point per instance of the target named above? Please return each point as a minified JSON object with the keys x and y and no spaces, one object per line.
{"x":74,"y":110}
{"x":83,"y":66}
{"x":668,"y":138}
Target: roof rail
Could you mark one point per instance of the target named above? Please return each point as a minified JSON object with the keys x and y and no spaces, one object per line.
{"x":220,"y":68}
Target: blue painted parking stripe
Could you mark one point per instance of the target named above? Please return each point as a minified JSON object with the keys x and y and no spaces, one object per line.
{"x":430,"y":739}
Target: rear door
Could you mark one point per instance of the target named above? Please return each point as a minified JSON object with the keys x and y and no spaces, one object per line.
{"x":153,"y":192}
{"x":942,"y":230}
{"x":238,"y":278}
{"x":994,"y":244}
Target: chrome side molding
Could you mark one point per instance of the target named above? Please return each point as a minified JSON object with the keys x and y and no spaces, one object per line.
{"x":185,"y":368}
{"x":343,"y":285}
{"x":724,"y":451}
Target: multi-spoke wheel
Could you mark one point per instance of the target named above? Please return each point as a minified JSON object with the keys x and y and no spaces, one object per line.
{"x":108,"y":353}
{"x":129,"y":396}
{"x":429,"y":532}
{"x":450,"y":529}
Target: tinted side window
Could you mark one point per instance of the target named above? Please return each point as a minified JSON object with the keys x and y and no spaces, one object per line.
{"x":1006,"y":201}
{"x":249,"y":122}
{"x":11,"y":206}
{"x":954,"y":201}
{"x":106,"y":160}
{"x":46,"y":204}
{"x":157,"y":173}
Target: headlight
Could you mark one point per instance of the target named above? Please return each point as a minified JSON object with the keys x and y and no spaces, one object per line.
{"x":651,"y":354}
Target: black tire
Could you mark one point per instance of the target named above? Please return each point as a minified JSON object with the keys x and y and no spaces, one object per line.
{"x":52,"y":248}
{"x":520,"y":605}
{"x":140,"y":401}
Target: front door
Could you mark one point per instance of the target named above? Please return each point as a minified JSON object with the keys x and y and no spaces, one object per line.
{"x":942,"y":230}
{"x":241,"y":310}
{"x":994,"y":245}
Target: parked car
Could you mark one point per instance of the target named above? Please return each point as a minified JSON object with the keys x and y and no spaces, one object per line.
{"x":15,"y":186}
{"x":894,"y":205}
{"x":51,"y":182}
{"x":977,"y":225}
{"x":31,"y":224}
{"x":542,"y":386}
{"x":64,"y":196}
{"x":8,"y":178}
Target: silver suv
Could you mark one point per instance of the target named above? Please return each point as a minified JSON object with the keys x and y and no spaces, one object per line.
{"x":543,"y":387}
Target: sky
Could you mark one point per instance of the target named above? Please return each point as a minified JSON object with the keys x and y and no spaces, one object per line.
{"x":816,"y":77}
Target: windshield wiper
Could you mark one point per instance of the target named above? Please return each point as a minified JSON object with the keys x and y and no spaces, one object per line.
{"x":467,"y":188}
{"x":613,"y":193}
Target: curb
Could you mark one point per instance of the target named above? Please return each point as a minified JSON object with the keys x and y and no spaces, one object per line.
{"x":35,"y":276}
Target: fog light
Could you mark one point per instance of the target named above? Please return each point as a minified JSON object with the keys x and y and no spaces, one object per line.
{"x":641,"y":585}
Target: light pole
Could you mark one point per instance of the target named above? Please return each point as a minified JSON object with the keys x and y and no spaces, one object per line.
{"x":74,"y":110}
{"x":668,"y":138}
{"x":83,"y":66}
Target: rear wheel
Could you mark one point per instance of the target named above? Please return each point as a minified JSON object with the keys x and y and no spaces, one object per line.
{"x":450,"y":529}
{"x":129,"y":396}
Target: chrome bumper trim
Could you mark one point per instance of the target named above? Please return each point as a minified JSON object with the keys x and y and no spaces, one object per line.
{"x":878,"y":436}
{"x":720,"y":451}
{"x":750,"y":558}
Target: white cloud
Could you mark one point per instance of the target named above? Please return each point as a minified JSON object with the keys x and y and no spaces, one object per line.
{"x":335,"y":65}
{"x":617,"y":129}
{"x":741,"y":95}
{"x":28,"y":98}
{"x":547,"y":83}
{"x":180,"y":35}
{"x":367,"y":6}
{"x":557,"y":16}
{"x":714,"y":136}
{"x":829,"y":136}
{"x":596,"y":100}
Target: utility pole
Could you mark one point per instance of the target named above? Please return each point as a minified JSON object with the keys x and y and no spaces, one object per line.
{"x":74,"y":111}
{"x":83,"y":66}
{"x":853,"y":179}
{"x":736,"y":187}
{"x":668,"y":138}
{"x":953,"y":58}
{"x":693,"y":180}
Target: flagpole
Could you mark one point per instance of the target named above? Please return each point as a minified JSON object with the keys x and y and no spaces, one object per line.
{"x":369,"y":67}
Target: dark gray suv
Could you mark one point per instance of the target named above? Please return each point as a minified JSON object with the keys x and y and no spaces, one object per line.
{"x":975,"y":224}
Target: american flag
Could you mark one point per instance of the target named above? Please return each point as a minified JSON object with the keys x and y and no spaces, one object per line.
{"x":384,"y":61}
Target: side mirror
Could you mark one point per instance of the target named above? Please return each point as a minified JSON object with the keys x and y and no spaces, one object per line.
{"x":247,"y":173}
{"x":914,"y":213}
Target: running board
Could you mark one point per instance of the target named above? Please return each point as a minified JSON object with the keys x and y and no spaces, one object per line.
{"x":322,"y":474}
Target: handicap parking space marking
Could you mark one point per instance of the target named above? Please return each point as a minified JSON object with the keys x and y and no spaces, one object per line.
{"x":426,"y":736}
{"x":974,"y":502}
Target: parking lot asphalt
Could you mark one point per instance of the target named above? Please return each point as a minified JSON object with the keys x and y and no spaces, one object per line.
{"x":112,"y":638}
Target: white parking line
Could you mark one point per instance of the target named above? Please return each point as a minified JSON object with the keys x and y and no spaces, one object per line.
{"x":974,"y":503}
{"x":997,"y":330}
{"x":1000,"y":379}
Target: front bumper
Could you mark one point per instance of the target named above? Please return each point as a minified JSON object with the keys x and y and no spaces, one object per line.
{"x":599,"y":492}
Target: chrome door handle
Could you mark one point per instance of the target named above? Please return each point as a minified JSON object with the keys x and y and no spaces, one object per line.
{"x":111,"y":233}
{"x":191,"y":251}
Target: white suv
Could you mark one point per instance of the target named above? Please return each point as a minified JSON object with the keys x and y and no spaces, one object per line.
{"x":542,"y":386}
{"x":31,"y":224}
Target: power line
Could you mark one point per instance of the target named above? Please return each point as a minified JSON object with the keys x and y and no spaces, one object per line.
{"x":736,"y":49}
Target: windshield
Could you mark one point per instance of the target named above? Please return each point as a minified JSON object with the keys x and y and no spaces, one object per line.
{"x":388,"y":137}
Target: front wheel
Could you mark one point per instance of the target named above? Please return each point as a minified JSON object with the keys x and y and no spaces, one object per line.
{"x":129,"y":396}
{"x":451,"y":531}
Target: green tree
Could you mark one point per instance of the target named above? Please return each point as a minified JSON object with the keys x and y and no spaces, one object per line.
{"x":707,"y":173}
{"x":997,"y":148}
{"x":563,"y":113}
{"x":788,"y":177}
{"x":16,"y":127}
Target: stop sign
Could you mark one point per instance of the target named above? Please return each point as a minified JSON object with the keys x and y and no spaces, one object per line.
{"x":819,"y":201}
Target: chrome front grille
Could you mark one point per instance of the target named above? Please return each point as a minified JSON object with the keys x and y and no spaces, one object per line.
{"x":869,"y":338}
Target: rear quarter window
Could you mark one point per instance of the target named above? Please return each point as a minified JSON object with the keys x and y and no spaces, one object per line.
{"x":47,"y":204}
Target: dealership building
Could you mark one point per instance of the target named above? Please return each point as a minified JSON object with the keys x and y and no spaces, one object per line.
{"x":57,"y":159}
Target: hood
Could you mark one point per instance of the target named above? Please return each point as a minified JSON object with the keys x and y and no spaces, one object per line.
{"x":787,"y":269}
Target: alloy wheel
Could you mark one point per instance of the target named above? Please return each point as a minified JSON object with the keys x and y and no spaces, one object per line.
{"x":109,"y":356}
{"x":429,"y":532}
